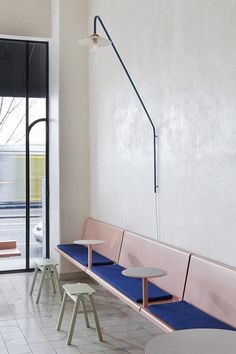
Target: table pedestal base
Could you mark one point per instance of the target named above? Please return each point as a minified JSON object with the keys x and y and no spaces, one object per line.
{"x":145,"y":292}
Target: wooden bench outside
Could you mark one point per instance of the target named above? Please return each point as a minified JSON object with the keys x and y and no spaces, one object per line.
{"x":8,"y":249}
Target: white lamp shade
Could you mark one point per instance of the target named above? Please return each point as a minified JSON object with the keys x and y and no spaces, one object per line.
{"x":94,"y":41}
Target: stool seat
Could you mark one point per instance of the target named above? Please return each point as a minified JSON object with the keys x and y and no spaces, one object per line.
{"x":46,"y":266}
{"x":76,"y":293}
{"x":79,"y":288}
{"x":45,"y":262}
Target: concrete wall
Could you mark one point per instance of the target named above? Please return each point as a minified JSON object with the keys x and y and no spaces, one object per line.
{"x":182,"y":56}
{"x":30,"y":18}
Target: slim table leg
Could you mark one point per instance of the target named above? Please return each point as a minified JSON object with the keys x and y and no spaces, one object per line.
{"x":89,"y":256}
{"x":145,"y":292}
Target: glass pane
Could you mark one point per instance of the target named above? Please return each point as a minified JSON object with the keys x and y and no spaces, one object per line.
{"x":37,"y":81}
{"x":37,"y":194}
{"x":37,"y":110}
{"x":12,"y":149}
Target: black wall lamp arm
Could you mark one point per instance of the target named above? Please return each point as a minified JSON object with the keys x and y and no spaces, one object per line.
{"x":98,"y":18}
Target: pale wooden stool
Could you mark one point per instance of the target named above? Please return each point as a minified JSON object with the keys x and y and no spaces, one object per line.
{"x":76,"y":292}
{"x":46,"y":266}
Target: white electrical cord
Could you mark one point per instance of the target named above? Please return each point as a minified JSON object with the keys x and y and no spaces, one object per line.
{"x":157,"y":216}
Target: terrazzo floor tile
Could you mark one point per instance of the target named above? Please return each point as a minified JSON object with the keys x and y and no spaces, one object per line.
{"x":27,"y":327}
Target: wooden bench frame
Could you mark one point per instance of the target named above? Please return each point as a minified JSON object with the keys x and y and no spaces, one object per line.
{"x":209,"y":296}
{"x":123,"y":256}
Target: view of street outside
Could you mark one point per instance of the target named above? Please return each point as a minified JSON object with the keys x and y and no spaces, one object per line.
{"x":12,"y":177}
{"x":12,"y":227}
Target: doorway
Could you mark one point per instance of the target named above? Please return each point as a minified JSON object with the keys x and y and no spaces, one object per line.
{"x":24,"y":182}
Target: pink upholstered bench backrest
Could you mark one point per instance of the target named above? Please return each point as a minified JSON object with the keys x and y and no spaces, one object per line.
{"x":211,"y":287}
{"x":138,"y":251}
{"x":113,"y":236}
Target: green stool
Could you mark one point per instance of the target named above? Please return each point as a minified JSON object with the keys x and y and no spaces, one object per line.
{"x":47,"y":267}
{"x":76,"y":292}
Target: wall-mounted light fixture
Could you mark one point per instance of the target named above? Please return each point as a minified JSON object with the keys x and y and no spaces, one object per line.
{"x":95,"y":41}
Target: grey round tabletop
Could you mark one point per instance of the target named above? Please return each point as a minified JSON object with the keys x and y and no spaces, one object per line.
{"x":144,"y":272}
{"x":89,"y":242}
{"x":194,"y":341}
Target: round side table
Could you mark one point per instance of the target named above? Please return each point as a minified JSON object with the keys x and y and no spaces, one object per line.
{"x":193,"y":341}
{"x":144,"y":273}
{"x":90,"y":244}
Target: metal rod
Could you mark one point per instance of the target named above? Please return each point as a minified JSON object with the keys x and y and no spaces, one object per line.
{"x":27,"y":164}
{"x":36,"y":122}
{"x":98,"y":18}
{"x":47,"y":155}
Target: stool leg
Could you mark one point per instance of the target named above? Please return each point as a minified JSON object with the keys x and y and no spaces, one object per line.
{"x":73,"y":319}
{"x":62,"y":310}
{"x":57,"y":280}
{"x":95,"y":317}
{"x":41,"y":284}
{"x":51,"y":276}
{"x":85,"y":311}
{"x":34,"y":280}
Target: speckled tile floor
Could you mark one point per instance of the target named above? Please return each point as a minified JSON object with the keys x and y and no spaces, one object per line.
{"x":29,"y":328}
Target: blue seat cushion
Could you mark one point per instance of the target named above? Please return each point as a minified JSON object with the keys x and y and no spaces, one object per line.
{"x":131,"y":287}
{"x":80,"y":254}
{"x":182,"y":315}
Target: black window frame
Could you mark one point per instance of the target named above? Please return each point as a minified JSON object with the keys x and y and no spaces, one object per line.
{"x":28,"y":128}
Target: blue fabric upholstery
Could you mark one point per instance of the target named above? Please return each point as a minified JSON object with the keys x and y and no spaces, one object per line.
{"x":130,"y":287}
{"x":80,"y":254}
{"x":182,"y":315}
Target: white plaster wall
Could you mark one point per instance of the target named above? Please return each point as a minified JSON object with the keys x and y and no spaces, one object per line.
{"x":54,"y":170}
{"x":182,"y":56}
{"x":31,"y":18}
{"x":73,"y":123}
